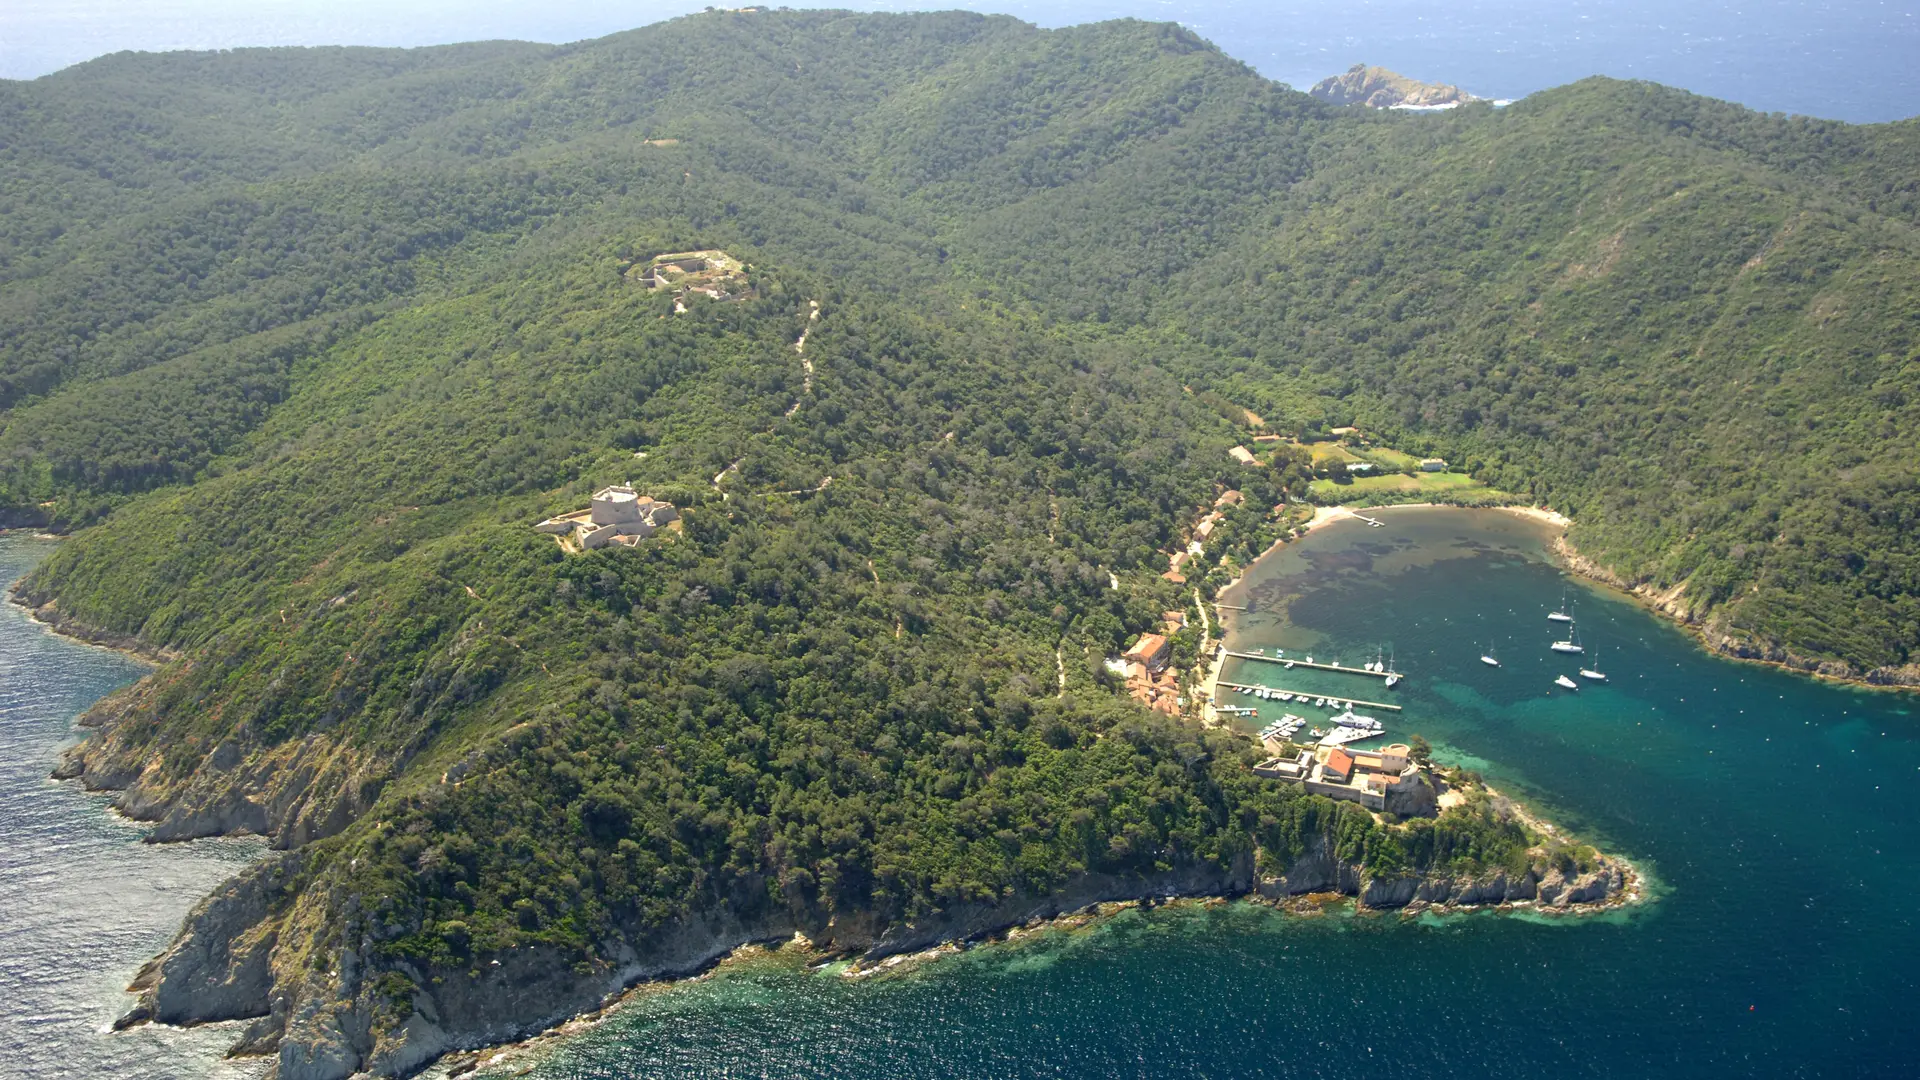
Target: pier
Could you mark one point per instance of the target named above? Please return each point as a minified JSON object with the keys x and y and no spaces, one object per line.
{"x":1306,"y":664}
{"x":1309,"y":697}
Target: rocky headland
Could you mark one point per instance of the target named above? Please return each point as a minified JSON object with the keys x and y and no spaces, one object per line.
{"x":325,"y":1013}
{"x":1378,"y":88}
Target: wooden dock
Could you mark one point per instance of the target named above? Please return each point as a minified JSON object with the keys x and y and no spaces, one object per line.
{"x":1305,"y":664}
{"x":1309,"y":697}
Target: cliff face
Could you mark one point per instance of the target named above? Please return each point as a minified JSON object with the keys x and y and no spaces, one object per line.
{"x":326,"y":1019}
{"x":294,"y":792}
{"x":1378,"y":88}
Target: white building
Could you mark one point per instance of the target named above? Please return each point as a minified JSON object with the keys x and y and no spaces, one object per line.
{"x":616,"y":513}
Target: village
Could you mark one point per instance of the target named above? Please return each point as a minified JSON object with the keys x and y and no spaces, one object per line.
{"x":1391,"y":779}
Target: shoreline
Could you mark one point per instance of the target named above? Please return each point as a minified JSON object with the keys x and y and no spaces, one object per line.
{"x":1665,"y":603}
{"x":1322,"y":515}
{"x":50,"y":619}
{"x":514,"y":1054}
{"x":1662,"y":603}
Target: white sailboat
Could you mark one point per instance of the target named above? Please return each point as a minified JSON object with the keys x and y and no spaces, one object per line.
{"x":1489,"y":659}
{"x":1571,"y":645}
{"x":1393,"y":676}
{"x":1593,"y":672}
{"x":1559,"y":614}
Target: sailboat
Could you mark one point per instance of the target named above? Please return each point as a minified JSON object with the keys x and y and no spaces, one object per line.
{"x":1560,"y":614}
{"x":1571,"y":645}
{"x":1593,"y":673}
{"x":1488,"y":658}
{"x":1566,"y":682}
{"x":1393,"y":677}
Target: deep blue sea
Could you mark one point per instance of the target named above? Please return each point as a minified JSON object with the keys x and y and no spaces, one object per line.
{"x":1773,"y":813}
{"x":1840,"y":59}
{"x":83,"y":903}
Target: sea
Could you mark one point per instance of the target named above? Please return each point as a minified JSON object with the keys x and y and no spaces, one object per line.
{"x":1837,"y":59}
{"x":83,"y":902}
{"x":1768,"y":811}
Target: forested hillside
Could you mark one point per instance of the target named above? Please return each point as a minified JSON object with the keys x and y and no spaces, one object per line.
{"x":299,"y":343}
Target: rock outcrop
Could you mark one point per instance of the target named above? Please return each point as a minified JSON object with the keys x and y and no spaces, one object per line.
{"x":1378,"y":88}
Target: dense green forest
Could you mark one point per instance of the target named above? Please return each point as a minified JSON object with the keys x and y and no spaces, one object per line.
{"x":299,"y":343}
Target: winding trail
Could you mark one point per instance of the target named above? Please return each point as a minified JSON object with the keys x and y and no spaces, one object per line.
{"x":806,"y":363}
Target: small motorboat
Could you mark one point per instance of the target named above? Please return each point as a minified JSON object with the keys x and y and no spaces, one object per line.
{"x":1563,"y":681}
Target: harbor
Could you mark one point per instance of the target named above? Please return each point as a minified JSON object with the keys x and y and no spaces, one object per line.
{"x":1302,"y":697}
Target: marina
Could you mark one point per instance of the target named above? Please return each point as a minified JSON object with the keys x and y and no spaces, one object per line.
{"x":1305,"y":698}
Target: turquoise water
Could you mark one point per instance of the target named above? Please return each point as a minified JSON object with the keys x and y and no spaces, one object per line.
{"x":1773,"y":811}
{"x":83,"y":903}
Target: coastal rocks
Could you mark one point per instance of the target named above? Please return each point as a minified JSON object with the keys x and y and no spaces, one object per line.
{"x":294,"y":792}
{"x":329,"y":1032}
{"x":1318,"y":870}
{"x":1553,"y":887}
{"x":246,"y":953}
{"x":220,"y":966}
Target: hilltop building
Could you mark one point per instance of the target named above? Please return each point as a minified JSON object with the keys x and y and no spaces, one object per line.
{"x":713,"y":274}
{"x":1433,"y":464}
{"x":616,"y":514}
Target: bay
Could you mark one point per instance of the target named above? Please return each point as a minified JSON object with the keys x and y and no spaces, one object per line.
{"x":1769,"y":810}
{"x":83,"y":902}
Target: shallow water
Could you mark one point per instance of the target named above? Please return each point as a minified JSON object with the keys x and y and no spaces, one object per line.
{"x":83,"y":903}
{"x":1769,"y":808}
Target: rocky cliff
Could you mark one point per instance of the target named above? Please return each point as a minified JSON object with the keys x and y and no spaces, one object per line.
{"x":293,"y":792}
{"x":1378,"y":88}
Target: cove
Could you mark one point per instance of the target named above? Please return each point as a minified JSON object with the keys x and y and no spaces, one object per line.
{"x":83,"y":903}
{"x":1771,"y":810}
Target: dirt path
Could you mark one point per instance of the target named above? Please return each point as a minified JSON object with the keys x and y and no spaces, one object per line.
{"x":806,"y":363}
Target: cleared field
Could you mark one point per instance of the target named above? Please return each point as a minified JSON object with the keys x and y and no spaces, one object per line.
{"x":1401,"y":488}
{"x":1393,"y":460}
{"x":1331,"y":453}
